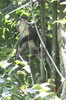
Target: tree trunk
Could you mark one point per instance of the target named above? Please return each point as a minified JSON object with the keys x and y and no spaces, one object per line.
{"x":62,"y":54}
{"x":42,"y":60}
{"x":54,"y":42}
{"x":62,"y":49}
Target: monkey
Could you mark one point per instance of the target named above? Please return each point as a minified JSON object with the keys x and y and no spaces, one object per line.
{"x":28,"y":36}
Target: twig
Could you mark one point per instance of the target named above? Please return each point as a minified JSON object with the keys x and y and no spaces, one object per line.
{"x":18,"y":8}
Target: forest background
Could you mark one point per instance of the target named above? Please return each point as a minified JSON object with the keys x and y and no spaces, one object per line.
{"x":42,"y":77}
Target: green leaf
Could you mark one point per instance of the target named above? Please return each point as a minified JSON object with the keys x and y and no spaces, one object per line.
{"x":6,"y":50}
{"x":37,"y":86}
{"x":53,"y":0}
{"x":12,"y":53}
{"x":63,"y":3}
{"x":2,"y":81}
{"x":64,"y":10}
{"x":24,"y":63}
{"x":63,"y":21}
{"x":45,"y":86}
{"x":27,"y":68}
{"x":27,"y":98}
{"x":4,"y":64}
{"x":7,"y":16}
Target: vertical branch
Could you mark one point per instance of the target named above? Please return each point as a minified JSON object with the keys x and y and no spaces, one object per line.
{"x":42,"y":60}
{"x":43,"y":20}
{"x":54,"y":41}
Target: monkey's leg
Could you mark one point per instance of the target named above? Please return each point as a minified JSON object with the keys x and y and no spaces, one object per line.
{"x":21,"y":49}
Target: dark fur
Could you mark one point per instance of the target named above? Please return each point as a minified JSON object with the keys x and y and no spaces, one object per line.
{"x":32,"y":36}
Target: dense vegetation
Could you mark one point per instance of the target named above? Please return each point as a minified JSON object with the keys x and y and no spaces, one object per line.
{"x":38,"y":78}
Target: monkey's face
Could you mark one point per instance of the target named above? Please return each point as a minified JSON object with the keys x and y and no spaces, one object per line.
{"x":21,"y":25}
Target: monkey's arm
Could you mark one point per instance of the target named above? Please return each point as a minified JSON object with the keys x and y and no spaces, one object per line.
{"x":27,"y":38}
{"x":24,"y":39}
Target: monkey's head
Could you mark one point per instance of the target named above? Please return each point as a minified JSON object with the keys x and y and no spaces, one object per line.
{"x":21,"y":24}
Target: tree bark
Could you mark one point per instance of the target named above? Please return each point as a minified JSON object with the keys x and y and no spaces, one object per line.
{"x":62,"y":55}
{"x":62,"y":49}
{"x":54,"y":41}
{"x":43,"y":25}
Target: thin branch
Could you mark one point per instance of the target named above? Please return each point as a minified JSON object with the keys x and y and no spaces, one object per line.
{"x":23,"y":6}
